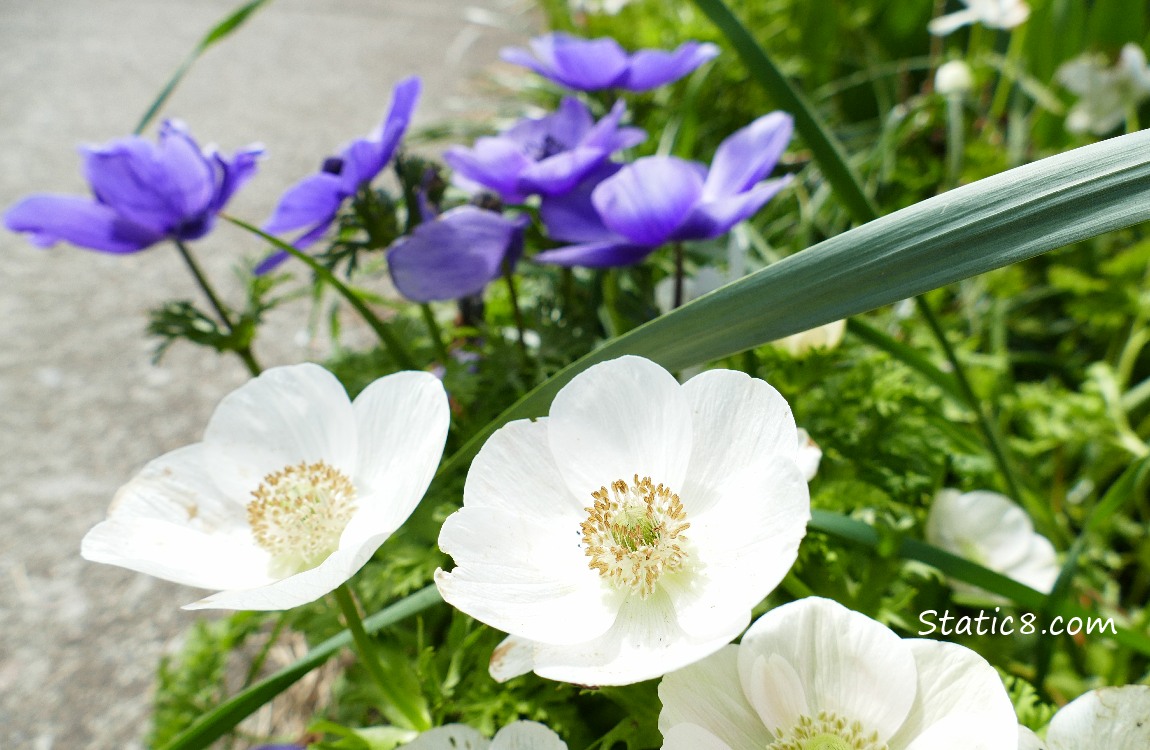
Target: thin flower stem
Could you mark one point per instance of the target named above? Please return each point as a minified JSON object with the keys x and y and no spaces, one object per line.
{"x":391,"y":342}
{"x":1005,"y":84}
{"x":955,"y":142}
{"x":520,"y":327}
{"x":245,"y":352}
{"x":678,"y":301}
{"x":994,"y":440}
{"x":434,"y":332}
{"x":367,"y":656}
{"x":262,"y":656}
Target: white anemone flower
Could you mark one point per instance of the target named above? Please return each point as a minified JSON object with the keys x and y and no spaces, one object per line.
{"x":995,"y":14}
{"x":1106,"y":94}
{"x":1115,"y":718}
{"x":519,"y":735}
{"x":632,"y":530}
{"x":814,"y":675}
{"x":291,"y":491}
{"x":989,"y":529}
{"x":809,"y":455}
{"x":825,"y":337}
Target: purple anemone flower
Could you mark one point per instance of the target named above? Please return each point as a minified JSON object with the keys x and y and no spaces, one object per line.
{"x":313,"y":203}
{"x":142,"y":192}
{"x":620,"y":214}
{"x":549,"y":155}
{"x":593,"y":64}
{"x":455,"y":255}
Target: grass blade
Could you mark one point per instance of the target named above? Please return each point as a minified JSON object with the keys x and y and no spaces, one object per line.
{"x":218,"y":32}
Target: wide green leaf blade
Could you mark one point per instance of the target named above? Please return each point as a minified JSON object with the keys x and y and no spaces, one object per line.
{"x":976,"y":228}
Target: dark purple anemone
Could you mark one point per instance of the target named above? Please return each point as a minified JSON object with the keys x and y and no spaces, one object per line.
{"x":455,"y":255}
{"x":593,"y":64}
{"x":142,"y":192}
{"x":620,"y":214}
{"x":313,"y":203}
{"x":547,"y":156}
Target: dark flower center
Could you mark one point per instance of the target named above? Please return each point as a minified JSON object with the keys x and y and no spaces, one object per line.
{"x":332,"y":165}
{"x":550,"y":147}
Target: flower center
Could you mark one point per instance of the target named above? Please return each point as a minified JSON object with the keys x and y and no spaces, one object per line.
{"x":634,"y":533}
{"x":826,"y":732}
{"x":298,"y":514}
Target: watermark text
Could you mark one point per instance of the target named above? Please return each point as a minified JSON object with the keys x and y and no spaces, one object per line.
{"x":996,"y":623}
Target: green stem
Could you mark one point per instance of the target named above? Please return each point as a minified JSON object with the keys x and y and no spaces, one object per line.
{"x":434,"y":332}
{"x":994,"y":440}
{"x":1005,"y":84}
{"x":262,"y":656}
{"x":410,"y":709}
{"x":391,"y":342}
{"x":245,"y":352}
{"x":678,"y":301}
{"x":955,"y":144}
{"x":520,"y":326}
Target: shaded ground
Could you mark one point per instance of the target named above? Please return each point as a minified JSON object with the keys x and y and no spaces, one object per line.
{"x":81,"y":407}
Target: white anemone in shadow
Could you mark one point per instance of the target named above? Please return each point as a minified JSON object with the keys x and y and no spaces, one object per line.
{"x":814,"y":674}
{"x":631,"y":531}
{"x":1115,"y":718}
{"x":291,"y":491}
{"x":519,"y":735}
{"x":991,"y":530}
{"x":994,"y":14}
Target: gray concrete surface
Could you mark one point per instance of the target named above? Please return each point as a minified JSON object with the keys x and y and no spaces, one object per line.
{"x":81,"y":407}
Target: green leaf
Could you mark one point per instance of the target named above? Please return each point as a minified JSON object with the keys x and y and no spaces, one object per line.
{"x":218,"y":32}
{"x":976,"y":228}
{"x":222,"y":719}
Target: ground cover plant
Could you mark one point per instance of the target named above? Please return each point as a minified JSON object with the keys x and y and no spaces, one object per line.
{"x":779,"y":379}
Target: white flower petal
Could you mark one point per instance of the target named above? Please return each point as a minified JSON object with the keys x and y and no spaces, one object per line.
{"x":524,"y":576}
{"x":737,"y":421}
{"x":809,"y":455}
{"x":512,"y":658}
{"x":449,"y":737}
{"x":617,"y":419}
{"x":402,"y":422}
{"x":959,"y":695}
{"x":526,"y":735}
{"x":706,"y":698}
{"x":284,"y":416}
{"x":1039,"y":569}
{"x":171,"y":522}
{"x":1028,"y":740}
{"x":693,"y":737}
{"x":944,"y":25}
{"x":985,"y":526}
{"x":847,"y":664}
{"x":516,"y":471}
{"x":645,"y":642}
{"x":741,"y":547}
{"x":1115,"y":718}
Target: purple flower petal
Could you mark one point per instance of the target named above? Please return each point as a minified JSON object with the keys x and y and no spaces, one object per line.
{"x":648,"y":199}
{"x":607,"y":135}
{"x":494,"y":163}
{"x":311,"y":202}
{"x":404,"y":97}
{"x":606,"y":254}
{"x":455,"y":255}
{"x":51,"y":218}
{"x":560,"y":173}
{"x":713,"y":218}
{"x":187,"y":172}
{"x":748,"y":155}
{"x":583,"y":64}
{"x":572,"y":217}
{"x":131,"y":176}
{"x":233,"y":173}
{"x":651,"y":68}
